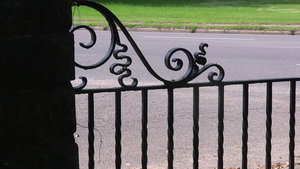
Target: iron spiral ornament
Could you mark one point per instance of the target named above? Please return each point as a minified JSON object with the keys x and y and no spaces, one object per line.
{"x":196,"y":63}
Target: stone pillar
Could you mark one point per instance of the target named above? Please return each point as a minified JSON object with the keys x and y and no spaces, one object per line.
{"x":37,"y":107}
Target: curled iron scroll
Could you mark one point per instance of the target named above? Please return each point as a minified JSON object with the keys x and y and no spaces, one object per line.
{"x":196,"y":63}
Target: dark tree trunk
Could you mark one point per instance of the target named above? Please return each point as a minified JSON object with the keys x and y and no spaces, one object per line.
{"x":37,"y":107}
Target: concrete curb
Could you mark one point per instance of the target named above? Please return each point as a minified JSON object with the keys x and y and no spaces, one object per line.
{"x":152,"y":29}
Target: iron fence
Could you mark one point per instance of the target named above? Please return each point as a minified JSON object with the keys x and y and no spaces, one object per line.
{"x":197,"y":64}
{"x":195,"y":86}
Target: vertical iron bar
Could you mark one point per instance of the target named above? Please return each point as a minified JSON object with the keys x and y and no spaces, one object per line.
{"x":144,"y":128}
{"x":245,"y":126}
{"x":196,"y":128}
{"x":118,"y":134}
{"x":220,"y":126}
{"x":292,"y":124}
{"x":91,"y":136}
{"x":170,"y":127}
{"x":269,"y":126}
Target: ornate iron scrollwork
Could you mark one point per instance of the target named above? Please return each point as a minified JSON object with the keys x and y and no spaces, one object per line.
{"x":196,"y":63}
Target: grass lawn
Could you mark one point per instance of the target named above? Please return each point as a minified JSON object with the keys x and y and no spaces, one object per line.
{"x":192,"y":14}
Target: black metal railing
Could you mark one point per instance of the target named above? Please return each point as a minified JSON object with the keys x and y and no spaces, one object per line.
{"x":195,"y":86}
{"x":196,"y":66}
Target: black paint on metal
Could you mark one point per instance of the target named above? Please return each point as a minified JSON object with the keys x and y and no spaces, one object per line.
{"x":245,"y":126}
{"x":144,"y":128}
{"x":195,"y":66}
{"x":91,"y":136}
{"x":292,"y":124}
{"x":196,"y":127}
{"x":196,"y":100}
{"x":188,"y":85}
{"x":269,"y":126}
{"x":118,"y":133}
{"x":170,"y":127}
{"x":196,"y":63}
{"x":220,"y":127}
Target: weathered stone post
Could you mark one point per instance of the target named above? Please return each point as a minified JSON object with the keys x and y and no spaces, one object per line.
{"x":37,"y":114}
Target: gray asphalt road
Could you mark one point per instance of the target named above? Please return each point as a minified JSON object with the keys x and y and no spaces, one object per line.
{"x":242,"y":56}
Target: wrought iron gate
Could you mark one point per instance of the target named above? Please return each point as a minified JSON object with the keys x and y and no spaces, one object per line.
{"x":197,"y":64}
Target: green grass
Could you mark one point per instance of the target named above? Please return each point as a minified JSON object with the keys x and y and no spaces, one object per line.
{"x":192,"y":14}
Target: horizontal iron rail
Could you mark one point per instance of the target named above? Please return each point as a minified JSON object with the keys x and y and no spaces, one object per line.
{"x":155,"y":87}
